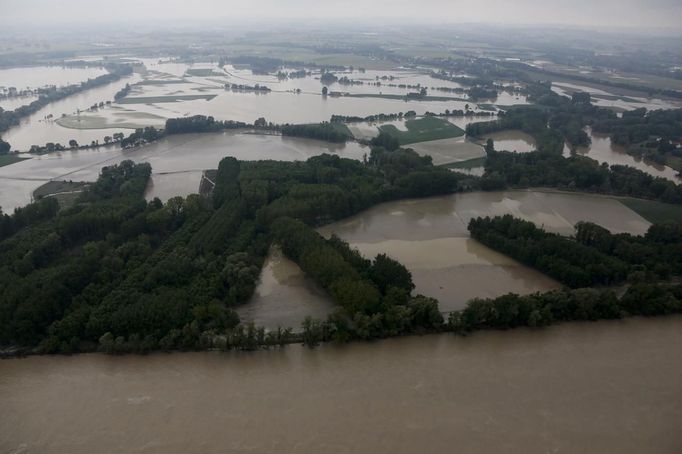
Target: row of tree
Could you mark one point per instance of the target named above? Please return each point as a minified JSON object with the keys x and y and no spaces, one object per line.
{"x":593,"y":257}
{"x":547,"y":169}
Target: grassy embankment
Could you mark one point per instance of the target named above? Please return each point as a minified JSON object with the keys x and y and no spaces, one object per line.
{"x":9,"y":159}
{"x":423,"y":130}
{"x":654,"y":212}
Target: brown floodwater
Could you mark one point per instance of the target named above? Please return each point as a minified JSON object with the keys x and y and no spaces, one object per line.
{"x":177,"y":162}
{"x":284,"y":296}
{"x":603,"y":150}
{"x":430,"y":237}
{"x":599,"y":387}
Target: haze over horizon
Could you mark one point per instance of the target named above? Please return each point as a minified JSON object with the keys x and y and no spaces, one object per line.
{"x":652,"y":14}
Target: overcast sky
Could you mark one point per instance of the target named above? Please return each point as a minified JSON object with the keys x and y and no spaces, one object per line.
{"x":626,"y":13}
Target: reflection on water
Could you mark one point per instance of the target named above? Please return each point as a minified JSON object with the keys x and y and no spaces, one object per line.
{"x":592,"y":387}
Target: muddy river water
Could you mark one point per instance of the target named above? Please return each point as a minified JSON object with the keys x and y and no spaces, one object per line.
{"x":574,"y":388}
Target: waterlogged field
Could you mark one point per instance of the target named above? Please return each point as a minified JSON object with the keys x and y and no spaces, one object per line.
{"x":164,"y":90}
{"x":40,"y":76}
{"x":611,"y":99}
{"x":284,"y":296}
{"x":176,"y":157}
{"x":603,"y":150}
{"x":42,"y":127}
{"x":430,"y":237}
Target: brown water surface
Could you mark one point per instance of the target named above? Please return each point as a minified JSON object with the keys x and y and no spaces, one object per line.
{"x":605,"y":387}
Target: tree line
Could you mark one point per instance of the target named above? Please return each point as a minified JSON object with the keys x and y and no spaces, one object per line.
{"x":594,"y":256}
{"x":548,"y":169}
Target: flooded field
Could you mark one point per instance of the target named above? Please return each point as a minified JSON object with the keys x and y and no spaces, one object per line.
{"x":618,"y":102}
{"x":597,"y":387}
{"x":446,"y":151}
{"x":40,"y":76}
{"x":164,"y":90}
{"x":512,"y":140}
{"x":603,"y":150}
{"x":173,"y":156}
{"x":284,"y":296}
{"x":38,"y":129}
{"x":430,"y":237}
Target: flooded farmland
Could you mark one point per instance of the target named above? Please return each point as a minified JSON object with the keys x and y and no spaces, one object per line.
{"x":603,"y":150}
{"x":611,"y":386}
{"x":173,"y":156}
{"x":284,"y":296}
{"x":430,"y":237}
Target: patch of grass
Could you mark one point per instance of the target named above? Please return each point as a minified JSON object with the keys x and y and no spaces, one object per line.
{"x":654,"y":212}
{"x":423,"y":130}
{"x":468,"y":164}
{"x":162,"y":99}
{"x":487,"y":107}
{"x":9,"y":159}
{"x":673,"y":162}
{"x":203,"y":72}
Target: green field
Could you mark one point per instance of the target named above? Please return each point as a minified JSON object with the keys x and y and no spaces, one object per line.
{"x":468,"y":164}
{"x":8,"y":159}
{"x":654,"y":212}
{"x":423,"y":130}
{"x":161,"y":99}
{"x":203,"y":72}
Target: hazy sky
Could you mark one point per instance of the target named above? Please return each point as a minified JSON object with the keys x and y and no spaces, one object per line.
{"x":626,"y":13}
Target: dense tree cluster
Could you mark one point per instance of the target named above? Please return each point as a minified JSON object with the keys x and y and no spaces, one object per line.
{"x":573,"y":264}
{"x":200,"y":123}
{"x":543,"y":309}
{"x":322,"y":131}
{"x":594,"y":257}
{"x":547,"y":169}
{"x":552,"y":121}
{"x":649,"y":134}
{"x":374,"y":296}
{"x":130,"y":275}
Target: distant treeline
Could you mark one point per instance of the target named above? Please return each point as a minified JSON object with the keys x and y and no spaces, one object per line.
{"x":13,"y":117}
{"x":555,"y":120}
{"x":322,"y":131}
{"x":653,"y":135}
{"x":548,"y":169}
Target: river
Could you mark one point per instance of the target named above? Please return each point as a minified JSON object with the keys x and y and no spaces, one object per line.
{"x":575,"y":388}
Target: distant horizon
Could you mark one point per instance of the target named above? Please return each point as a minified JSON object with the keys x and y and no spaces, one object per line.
{"x":640,"y":15}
